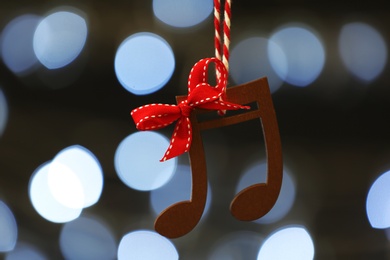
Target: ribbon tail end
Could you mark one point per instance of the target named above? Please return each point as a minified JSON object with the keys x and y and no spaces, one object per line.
{"x":165,"y":158}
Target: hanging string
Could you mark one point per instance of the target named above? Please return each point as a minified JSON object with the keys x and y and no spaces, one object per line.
{"x":217,"y":26}
{"x":222,"y":49}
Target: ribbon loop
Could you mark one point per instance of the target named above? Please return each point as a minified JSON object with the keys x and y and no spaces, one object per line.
{"x":200,"y":95}
{"x":199,"y":75}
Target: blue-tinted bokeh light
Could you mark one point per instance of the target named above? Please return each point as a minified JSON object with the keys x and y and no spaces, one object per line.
{"x":144,"y":244}
{"x":137,"y":161}
{"x":59,"y":39}
{"x":292,"y":243}
{"x":17,"y":44}
{"x":249,"y":61}
{"x":24,"y":251}
{"x":87,"y":169}
{"x":3,"y":112}
{"x":363,"y":50}
{"x":144,"y":63}
{"x":8,"y":228}
{"x":303,"y":51}
{"x":378,"y":202}
{"x":87,"y":238}
{"x":43,"y":200}
{"x":182,"y":13}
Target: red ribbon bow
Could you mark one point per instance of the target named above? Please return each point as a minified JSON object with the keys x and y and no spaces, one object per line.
{"x":200,"y":95}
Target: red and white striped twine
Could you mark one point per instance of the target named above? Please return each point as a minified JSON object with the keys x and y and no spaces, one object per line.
{"x":222,"y":50}
{"x":219,"y":49}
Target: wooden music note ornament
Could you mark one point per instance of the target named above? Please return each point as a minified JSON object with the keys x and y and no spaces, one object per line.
{"x":249,"y":204}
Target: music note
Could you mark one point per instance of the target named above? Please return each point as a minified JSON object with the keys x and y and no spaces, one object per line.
{"x":254,"y":201}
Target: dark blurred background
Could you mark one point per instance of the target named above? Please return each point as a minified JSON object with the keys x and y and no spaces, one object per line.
{"x":330,"y":82}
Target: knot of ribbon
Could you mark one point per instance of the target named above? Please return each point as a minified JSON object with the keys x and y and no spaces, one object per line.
{"x":200,"y":95}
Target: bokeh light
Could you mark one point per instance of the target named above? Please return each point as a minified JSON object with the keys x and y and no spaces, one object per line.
{"x":65,"y":186}
{"x":61,"y":188}
{"x":249,"y":61}
{"x":137,"y":161}
{"x":17,"y":44}
{"x":257,"y":173}
{"x":144,"y":63}
{"x":87,"y":238}
{"x":3,"y":112}
{"x":8,"y":228}
{"x":303,"y":51}
{"x":292,"y":243}
{"x":59,"y":38}
{"x":363,"y":50}
{"x":43,"y":200}
{"x":25,"y":251}
{"x":182,"y":13}
{"x":177,"y":189}
{"x":378,"y":202}
{"x":146,"y":244}
{"x":84,"y":164}
{"x":237,"y":245}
